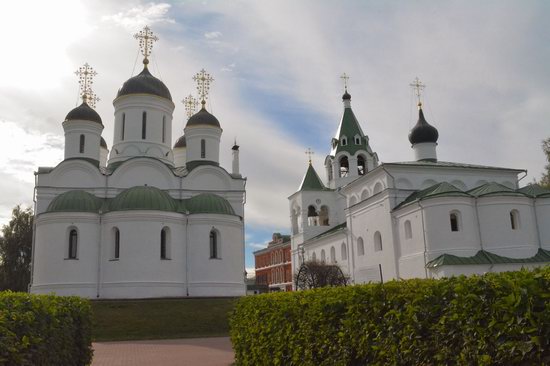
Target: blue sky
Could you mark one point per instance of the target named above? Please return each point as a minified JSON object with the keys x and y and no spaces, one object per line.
{"x":277,"y":89}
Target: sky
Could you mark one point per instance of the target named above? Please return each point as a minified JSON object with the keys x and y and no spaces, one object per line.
{"x":277,"y":87}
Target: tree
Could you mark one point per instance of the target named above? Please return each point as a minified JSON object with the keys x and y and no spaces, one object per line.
{"x":545,"y":180}
{"x":15,"y":251}
{"x":315,"y":274}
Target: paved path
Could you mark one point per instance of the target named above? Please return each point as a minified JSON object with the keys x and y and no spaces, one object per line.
{"x":171,"y":352}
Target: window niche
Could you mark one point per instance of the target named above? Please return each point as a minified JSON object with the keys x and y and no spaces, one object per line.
{"x":165,"y":243}
{"x":215,"y":245}
{"x":73,"y":244}
{"x":454,"y":218}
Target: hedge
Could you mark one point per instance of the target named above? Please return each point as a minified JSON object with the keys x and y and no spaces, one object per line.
{"x":494,"y":319}
{"x":44,"y":330}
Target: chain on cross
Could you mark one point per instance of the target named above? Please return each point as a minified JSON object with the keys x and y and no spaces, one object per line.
{"x":86,"y":75}
{"x":418,"y":87}
{"x":190,"y":104}
{"x":203,"y":80}
{"x":146,"y":39}
{"x":345,"y":78}
{"x":309,"y":153}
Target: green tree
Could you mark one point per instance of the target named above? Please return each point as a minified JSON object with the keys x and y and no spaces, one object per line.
{"x":15,"y":251}
{"x":545,"y":180}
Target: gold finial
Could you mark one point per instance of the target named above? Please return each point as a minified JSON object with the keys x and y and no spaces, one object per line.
{"x":345,"y":77}
{"x":190,"y":103}
{"x":309,"y":153}
{"x":418,"y":87}
{"x":86,"y":75}
{"x":146,"y":39}
{"x":203,"y":80}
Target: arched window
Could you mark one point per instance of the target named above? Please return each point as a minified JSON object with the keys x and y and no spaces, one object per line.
{"x":163,"y":128}
{"x":344,"y":141}
{"x":165,"y":243}
{"x":408,"y":230}
{"x":123,"y":126}
{"x":313,"y":257}
{"x":361,"y":165}
{"x":323,"y":217}
{"x":377,"y":241}
{"x":344,"y":252}
{"x":116,"y":244}
{"x":82,"y":143}
{"x":360,"y":246}
{"x":295,"y":216}
{"x":357,"y":139}
{"x":73,"y":244}
{"x":332,"y":255}
{"x":323,"y":256}
{"x":514,"y":219}
{"x":144,"y":125}
{"x":203,"y":149}
{"x":454,"y":218}
{"x":312,"y":216}
{"x":214,"y":244}
{"x":344,"y":166}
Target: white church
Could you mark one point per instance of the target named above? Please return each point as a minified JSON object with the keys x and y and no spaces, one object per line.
{"x":144,"y":219}
{"x":420,"y":218}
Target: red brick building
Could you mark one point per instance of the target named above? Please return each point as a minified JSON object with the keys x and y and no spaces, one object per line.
{"x":273,"y":267}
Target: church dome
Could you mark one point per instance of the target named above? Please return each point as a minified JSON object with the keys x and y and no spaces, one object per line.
{"x":75,"y":201}
{"x":209,"y":203}
{"x":83,"y":112}
{"x":143,"y":198}
{"x":423,"y":131}
{"x":103,"y":143}
{"x":346,"y":96}
{"x":144,"y":83}
{"x":180,"y":143}
{"x":202,"y":117}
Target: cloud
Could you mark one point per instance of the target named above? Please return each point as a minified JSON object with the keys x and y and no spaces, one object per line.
{"x":212,"y":35}
{"x":141,"y":15}
{"x":257,"y":246}
{"x":250,"y":272}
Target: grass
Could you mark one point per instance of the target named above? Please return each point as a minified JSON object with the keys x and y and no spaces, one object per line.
{"x":161,"y":318}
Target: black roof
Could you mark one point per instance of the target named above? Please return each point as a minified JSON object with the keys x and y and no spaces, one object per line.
{"x":346,"y":96}
{"x":202,"y":117}
{"x":83,"y":112}
{"x":180,"y":142}
{"x":423,"y":131}
{"x":144,"y":83}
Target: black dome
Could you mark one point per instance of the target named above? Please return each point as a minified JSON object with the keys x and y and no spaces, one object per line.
{"x":423,"y":131}
{"x":83,"y":112}
{"x":346,"y":96}
{"x":202,"y":117}
{"x":144,"y":83}
{"x":180,"y":142}
{"x":103,"y":143}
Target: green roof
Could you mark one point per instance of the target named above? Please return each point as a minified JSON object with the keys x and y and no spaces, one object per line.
{"x":143,"y":198}
{"x":534,"y":190}
{"x":448,"y":164}
{"x":196,"y":163}
{"x":209,"y":203}
{"x":311,"y":181}
{"x":349,"y":127}
{"x":489,"y":189}
{"x":75,"y":201}
{"x":437,"y":190}
{"x":333,"y":230}
{"x":485,"y":257}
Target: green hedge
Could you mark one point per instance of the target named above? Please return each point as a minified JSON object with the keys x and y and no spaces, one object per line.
{"x":44,"y":330}
{"x":495,"y":319}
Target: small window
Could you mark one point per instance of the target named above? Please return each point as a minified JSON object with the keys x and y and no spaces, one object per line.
{"x":116,"y":248}
{"x":454,"y":218}
{"x":82,"y":143}
{"x":144,"y":126}
{"x":357,"y":140}
{"x":514,"y":219}
{"x":164,"y":244}
{"x":123,"y":126}
{"x":377,"y":241}
{"x":344,"y":166}
{"x":214,"y":246}
{"x":163,"y":128}
{"x":203,"y":149}
{"x":408,"y":230}
{"x":332,"y":255}
{"x":361,"y":165}
{"x":323,"y":216}
{"x":312,"y":216}
{"x":73,"y":244}
{"x":344,"y":141}
{"x":344,"y":251}
{"x":314,"y":257}
{"x":323,"y":256}
{"x":360,"y":247}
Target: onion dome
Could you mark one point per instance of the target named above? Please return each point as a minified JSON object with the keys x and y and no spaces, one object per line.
{"x":180,"y":143}
{"x":346,"y":96}
{"x":203,"y":117}
{"x":103,"y":143}
{"x":209,"y":203}
{"x":143,"y":198}
{"x":75,"y":201}
{"x":144,"y":83}
{"x":83,"y":112}
{"x":423,"y":131}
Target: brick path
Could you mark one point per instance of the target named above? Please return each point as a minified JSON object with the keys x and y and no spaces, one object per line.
{"x":171,"y":352}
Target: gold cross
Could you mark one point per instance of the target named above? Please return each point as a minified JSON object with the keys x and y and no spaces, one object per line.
{"x":146,"y":39}
{"x":86,"y":75}
{"x":190,"y":103}
{"x":92,"y":98}
{"x":418,"y":87}
{"x":309,"y":153}
{"x":203,"y":80}
{"x":345,"y":77}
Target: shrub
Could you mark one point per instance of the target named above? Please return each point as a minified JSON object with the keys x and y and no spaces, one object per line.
{"x":494,"y":319}
{"x":44,"y":330}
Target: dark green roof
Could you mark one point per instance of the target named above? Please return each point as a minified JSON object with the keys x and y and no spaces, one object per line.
{"x":437,"y":190}
{"x":209,"y":203}
{"x":311,"y":181}
{"x":75,"y":201}
{"x":349,"y":127}
{"x":485,"y":257}
{"x":85,"y":113}
{"x":190,"y":165}
{"x":203,"y":118}
{"x":534,"y":190}
{"x":492,"y":188}
{"x":330,"y":231}
{"x":448,"y":164}
{"x":144,"y":83}
{"x":143,"y":198}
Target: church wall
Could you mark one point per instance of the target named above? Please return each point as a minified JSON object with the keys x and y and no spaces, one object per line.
{"x":543,"y":218}
{"x":326,"y":243}
{"x":411,"y":249}
{"x":211,"y":136}
{"x":143,"y":171}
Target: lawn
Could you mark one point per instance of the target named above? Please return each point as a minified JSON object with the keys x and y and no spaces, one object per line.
{"x":161,"y":318}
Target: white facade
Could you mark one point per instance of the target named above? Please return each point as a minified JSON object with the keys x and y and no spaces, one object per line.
{"x":137,"y":225}
{"x":422,"y":218}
